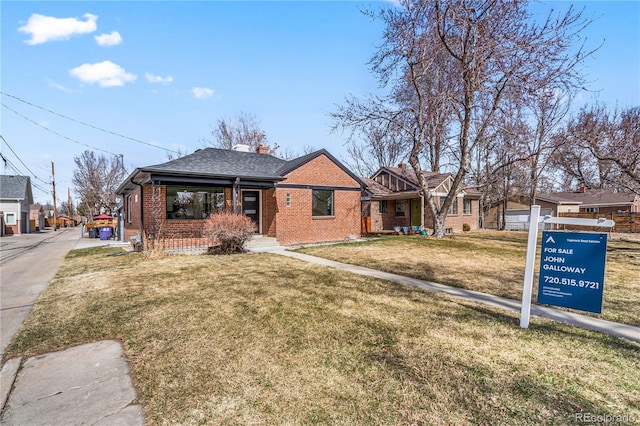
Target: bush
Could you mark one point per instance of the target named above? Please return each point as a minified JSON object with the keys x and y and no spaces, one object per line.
{"x":231,"y":231}
{"x":466,"y":227}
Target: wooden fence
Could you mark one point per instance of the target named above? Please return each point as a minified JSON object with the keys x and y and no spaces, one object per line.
{"x":625,"y":222}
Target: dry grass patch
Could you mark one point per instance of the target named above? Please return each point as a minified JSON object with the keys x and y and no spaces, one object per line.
{"x":489,"y":262}
{"x":264,"y":339}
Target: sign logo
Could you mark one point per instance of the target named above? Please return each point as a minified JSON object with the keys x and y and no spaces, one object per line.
{"x":550,"y":240}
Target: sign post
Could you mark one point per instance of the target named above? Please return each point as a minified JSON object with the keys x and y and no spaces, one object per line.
{"x":525,"y":309}
{"x":576,"y":254}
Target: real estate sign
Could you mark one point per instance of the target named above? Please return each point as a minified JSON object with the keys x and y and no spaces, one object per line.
{"x":572,"y":270}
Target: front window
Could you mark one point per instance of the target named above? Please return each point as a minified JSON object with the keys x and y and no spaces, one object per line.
{"x":10,"y":218}
{"x":453,"y":210}
{"x":322,"y":203}
{"x":193,"y":203}
{"x":400,"y":208}
{"x":382,"y":206}
{"x":466,"y":206}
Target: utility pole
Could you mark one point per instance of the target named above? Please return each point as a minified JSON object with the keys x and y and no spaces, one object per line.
{"x":69,"y":206}
{"x":55,"y":211}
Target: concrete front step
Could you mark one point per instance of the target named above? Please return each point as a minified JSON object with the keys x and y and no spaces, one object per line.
{"x":262,"y":241}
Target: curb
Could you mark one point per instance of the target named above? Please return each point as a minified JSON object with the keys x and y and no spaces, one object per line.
{"x":7,"y":378}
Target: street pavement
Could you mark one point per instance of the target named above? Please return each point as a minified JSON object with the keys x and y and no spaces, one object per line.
{"x":87,"y":384}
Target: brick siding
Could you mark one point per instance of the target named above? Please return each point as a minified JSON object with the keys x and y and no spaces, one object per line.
{"x":296,"y":225}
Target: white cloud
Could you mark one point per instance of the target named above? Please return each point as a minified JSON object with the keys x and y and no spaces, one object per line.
{"x":47,"y":28}
{"x":104,"y":74}
{"x":202,"y":92}
{"x":109,"y":39}
{"x":156,"y":79}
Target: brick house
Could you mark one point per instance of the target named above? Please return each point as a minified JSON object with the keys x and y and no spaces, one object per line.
{"x":313,"y":198}
{"x":393,"y":199}
{"x":16,"y":198}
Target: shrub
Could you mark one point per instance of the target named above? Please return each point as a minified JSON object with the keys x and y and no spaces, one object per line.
{"x":466,"y":227}
{"x":231,"y":231}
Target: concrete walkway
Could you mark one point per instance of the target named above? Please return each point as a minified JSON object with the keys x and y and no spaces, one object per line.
{"x":87,"y":384}
{"x":589,"y":323}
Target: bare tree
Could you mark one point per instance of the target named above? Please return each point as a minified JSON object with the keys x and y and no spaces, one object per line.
{"x":618,"y":144}
{"x":378,"y":146}
{"x":461,"y":57}
{"x":243,"y":130}
{"x":602,"y":148}
{"x":549,"y":107}
{"x":96,"y":179}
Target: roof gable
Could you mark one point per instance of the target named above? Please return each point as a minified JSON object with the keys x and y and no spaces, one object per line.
{"x":437,"y":182}
{"x":294,"y":164}
{"x":15,"y":187}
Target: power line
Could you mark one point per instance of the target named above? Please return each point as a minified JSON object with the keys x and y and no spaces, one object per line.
{"x":58,"y":134}
{"x":14,"y":153}
{"x":18,"y":172}
{"x":89,"y":125}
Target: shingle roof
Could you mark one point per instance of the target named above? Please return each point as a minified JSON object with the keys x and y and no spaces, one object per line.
{"x":433,"y":179}
{"x":14,"y":187}
{"x":375,"y":188}
{"x":222,"y":162}
{"x":593,"y":197}
{"x":214,"y":163}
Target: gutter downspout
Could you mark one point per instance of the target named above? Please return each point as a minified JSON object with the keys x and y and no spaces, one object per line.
{"x":153,"y":208}
{"x":141,"y":207}
{"x":236,"y":186}
{"x":421,"y":211}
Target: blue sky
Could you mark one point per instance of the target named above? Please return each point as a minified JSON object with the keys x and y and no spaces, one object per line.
{"x":164,"y":73}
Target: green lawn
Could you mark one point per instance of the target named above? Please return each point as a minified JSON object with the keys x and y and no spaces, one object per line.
{"x":265,"y":339}
{"x":490,"y":262}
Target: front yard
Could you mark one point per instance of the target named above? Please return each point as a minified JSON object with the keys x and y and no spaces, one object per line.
{"x":489,"y":262}
{"x":264,"y":339}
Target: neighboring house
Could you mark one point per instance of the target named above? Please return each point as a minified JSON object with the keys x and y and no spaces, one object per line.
{"x":15,"y":199}
{"x":37,"y":222}
{"x":310,"y":199}
{"x":592,"y":201}
{"x":556,"y":203}
{"x":393,"y":199}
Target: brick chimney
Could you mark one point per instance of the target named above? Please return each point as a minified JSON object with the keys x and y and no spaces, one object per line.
{"x":403,"y":166}
{"x":262,"y":149}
